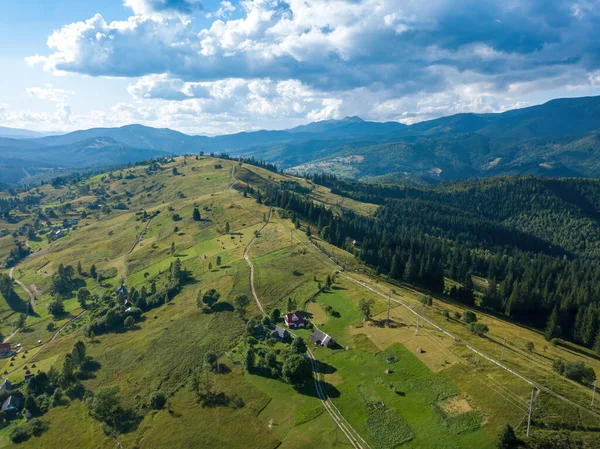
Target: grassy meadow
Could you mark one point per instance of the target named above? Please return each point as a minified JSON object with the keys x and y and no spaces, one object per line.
{"x":397,"y":387}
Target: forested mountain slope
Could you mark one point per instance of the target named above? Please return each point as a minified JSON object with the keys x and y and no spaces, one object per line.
{"x":535,"y":240}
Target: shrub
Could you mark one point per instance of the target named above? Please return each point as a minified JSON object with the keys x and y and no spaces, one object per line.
{"x":158,"y":400}
{"x":479,"y":329}
{"x":23,"y":432}
{"x":469,"y":317}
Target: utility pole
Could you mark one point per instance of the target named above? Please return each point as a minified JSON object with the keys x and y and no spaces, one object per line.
{"x":389,"y":303}
{"x":594,"y":393}
{"x":530,"y":410}
{"x":503,"y":346}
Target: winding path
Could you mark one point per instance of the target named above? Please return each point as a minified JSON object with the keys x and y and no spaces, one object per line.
{"x":29,"y":293}
{"x":353,"y":436}
{"x":251,"y":265}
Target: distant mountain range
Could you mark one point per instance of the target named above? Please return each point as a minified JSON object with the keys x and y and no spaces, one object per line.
{"x":558,"y":138}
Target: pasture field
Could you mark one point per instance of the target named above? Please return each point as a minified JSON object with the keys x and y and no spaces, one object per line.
{"x":398,"y":387}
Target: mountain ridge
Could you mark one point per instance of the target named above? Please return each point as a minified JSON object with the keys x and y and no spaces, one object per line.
{"x":557,"y":138}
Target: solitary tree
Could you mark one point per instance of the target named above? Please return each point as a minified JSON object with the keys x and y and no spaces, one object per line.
{"x":174,"y":171}
{"x":210,"y":298}
{"x":240,"y":302}
{"x":469,"y":317}
{"x":227,"y":227}
{"x":172,"y":247}
{"x":93,"y":272}
{"x":308,"y":231}
{"x":296,"y":370}
{"x":479,"y":329}
{"x":530,"y":346}
{"x":218,"y":261}
{"x":291,"y":305}
{"x":196,"y":214}
{"x":365,"y":306}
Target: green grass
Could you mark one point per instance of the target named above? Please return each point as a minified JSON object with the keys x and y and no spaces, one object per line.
{"x":169,"y":344}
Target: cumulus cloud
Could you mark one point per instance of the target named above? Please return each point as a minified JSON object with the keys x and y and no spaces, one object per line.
{"x":50,"y":93}
{"x":375,"y":58}
{"x":225,"y":9}
{"x":164,"y":7}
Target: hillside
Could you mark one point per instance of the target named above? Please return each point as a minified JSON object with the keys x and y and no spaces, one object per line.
{"x":205,"y":245}
{"x":558,"y":138}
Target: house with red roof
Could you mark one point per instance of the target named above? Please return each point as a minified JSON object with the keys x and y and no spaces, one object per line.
{"x":5,"y":350}
{"x":294,"y":320}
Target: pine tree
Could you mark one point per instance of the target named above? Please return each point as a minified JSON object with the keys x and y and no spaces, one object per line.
{"x":196,"y":214}
{"x":93,"y":272}
{"x":308,"y":231}
{"x":227,"y":227}
{"x":553,"y":327}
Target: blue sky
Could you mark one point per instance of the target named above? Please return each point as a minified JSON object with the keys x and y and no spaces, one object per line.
{"x":223,"y":66}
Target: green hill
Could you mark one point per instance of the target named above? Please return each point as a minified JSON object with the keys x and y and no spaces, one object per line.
{"x":182,"y":358}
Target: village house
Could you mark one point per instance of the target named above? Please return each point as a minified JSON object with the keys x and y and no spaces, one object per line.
{"x":280,"y":334}
{"x":320,"y":338}
{"x":121,"y":291}
{"x":12,"y":405}
{"x":5,"y":350}
{"x":294,"y":320}
{"x":59,"y":234}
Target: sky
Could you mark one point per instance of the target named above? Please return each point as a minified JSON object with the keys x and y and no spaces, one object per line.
{"x":215,"y":67}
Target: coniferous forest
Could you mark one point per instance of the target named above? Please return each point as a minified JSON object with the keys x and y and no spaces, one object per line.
{"x":535,"y":242}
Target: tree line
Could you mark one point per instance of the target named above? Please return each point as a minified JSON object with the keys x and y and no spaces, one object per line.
{"x":462,"y":230}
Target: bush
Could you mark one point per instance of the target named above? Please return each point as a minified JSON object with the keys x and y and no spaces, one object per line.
{"x":158,"y":400}
{"x":129,"y":322}
{"x":479,"y":329}
{"x":469,"y":317}
{"x":23,"y":432}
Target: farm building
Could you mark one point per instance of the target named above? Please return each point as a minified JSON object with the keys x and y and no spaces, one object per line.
{"x":320,"y":338}
{"x":12,"y":405}
{"x":121,"y":291}
{"x":6,"y":385}
{"x":280,"y":334}
{"x":5,"y":350}
{"x":294,"y":320}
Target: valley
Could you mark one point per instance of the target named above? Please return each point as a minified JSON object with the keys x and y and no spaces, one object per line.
{"x":182,"y":227}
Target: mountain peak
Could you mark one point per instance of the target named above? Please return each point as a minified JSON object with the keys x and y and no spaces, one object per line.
{"x":352,"y":119}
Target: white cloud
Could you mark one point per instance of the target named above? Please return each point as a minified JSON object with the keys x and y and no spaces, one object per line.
{"x":50,"y":93}
{"x":164,"y":8}
{"x":225,"y":9}
{"x":279,"y":61}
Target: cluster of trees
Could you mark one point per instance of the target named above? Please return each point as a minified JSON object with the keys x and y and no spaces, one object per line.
{"x":112,"y":312}
{"x":287,"y":364}
{"x":536,"y":241}
{"x":47,"y":390}
{"x":250,"y":161}
{"x":576,"y":371}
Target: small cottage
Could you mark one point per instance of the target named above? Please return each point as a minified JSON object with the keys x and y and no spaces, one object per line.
{"x":12,"y":405}
{"x":320,"y":338}
{"x":5,"y":350}
{"x":6,"y":385}
{"x":280,"y":334}
{"x":294,"y":320}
